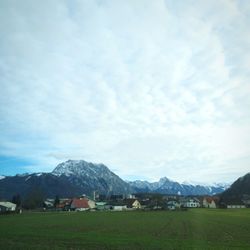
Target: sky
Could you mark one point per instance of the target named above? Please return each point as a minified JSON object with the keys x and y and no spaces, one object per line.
{"x":149,"y":88}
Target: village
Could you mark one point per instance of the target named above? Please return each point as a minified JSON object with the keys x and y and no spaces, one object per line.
{"x":144,"y":202}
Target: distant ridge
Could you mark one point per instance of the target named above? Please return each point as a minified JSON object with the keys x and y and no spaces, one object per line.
{"x":167,"y":186}
{"x":79,"y":177}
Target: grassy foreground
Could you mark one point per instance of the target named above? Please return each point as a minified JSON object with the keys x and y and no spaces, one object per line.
{"x":193,"y":229}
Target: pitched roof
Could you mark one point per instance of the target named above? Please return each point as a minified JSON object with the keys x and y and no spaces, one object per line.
{"x":208,"y":199}
{"x":80,"y":203}
{"x":7,"y":204}
{"x":129,"y":202}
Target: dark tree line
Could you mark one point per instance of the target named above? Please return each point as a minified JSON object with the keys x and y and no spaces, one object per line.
{"x":34,"y":199}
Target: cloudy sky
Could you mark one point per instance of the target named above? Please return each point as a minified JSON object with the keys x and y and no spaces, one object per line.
{"x":149,"y":88}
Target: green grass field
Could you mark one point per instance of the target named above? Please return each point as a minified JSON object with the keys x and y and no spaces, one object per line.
{"x":192,"y":229}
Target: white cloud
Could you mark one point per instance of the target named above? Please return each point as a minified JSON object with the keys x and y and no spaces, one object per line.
{"x":148,"y":88}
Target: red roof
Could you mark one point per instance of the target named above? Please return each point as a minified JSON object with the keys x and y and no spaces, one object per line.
{"x":209,"y":199}
{"x":80,"y":203}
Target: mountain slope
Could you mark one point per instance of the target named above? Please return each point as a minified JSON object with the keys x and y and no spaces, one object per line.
{"x":47,"y":183}
{"x":238,"y":191}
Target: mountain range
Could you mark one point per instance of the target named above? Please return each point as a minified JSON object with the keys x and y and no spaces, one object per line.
{"x":167,"y":186}
{"x":73,"y":178}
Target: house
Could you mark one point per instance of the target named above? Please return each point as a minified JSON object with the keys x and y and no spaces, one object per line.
{"x":247,"y":203}
{"x":209,"y":202}
{"x":82,"y":203}
{"x":130,"y":196}
{"x":101,"y":205}
{"x":64,"y":204}
{"x":246,"y":200}
{"x":47,"y":204}
{"x":132,"y":203}
{"x":235,"y":204}
{"x":91,"y":204}
{"x":145,"y":203}
{"x":79,"y":204}
{"x":173,"y":204}
{"x":190,"y":202}
{"x":117,"y":205}
{"x":7,"y":206}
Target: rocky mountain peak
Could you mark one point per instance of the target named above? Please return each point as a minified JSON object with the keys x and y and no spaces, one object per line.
{"x":164,"y":180}
{"x":79,"y":168}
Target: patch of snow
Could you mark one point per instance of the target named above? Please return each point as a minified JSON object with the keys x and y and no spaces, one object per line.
{"x":2,"y":177}
{"x":194,"y":183}
{"x":28,"y":178}
{"x":222,"y":185}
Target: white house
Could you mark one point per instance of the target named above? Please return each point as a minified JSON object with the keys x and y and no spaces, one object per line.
{"x":172,"y":205}
{"x":190,"y":203}
{"x":91,"y":204}
{"x":119,"y":207}
{"x":136,"y":204}
{"x":236,"y":206}
{"x":7,"y":206}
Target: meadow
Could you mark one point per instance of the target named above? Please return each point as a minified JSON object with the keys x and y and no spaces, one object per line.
{"x":192,"y":229}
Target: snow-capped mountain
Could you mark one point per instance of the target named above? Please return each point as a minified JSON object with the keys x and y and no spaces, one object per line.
{"x":80,"y":168}
{"x":92,"y":177}
{"x":72,"y":178}
{"x":167,"y":186}
{"x":2,"y":177}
